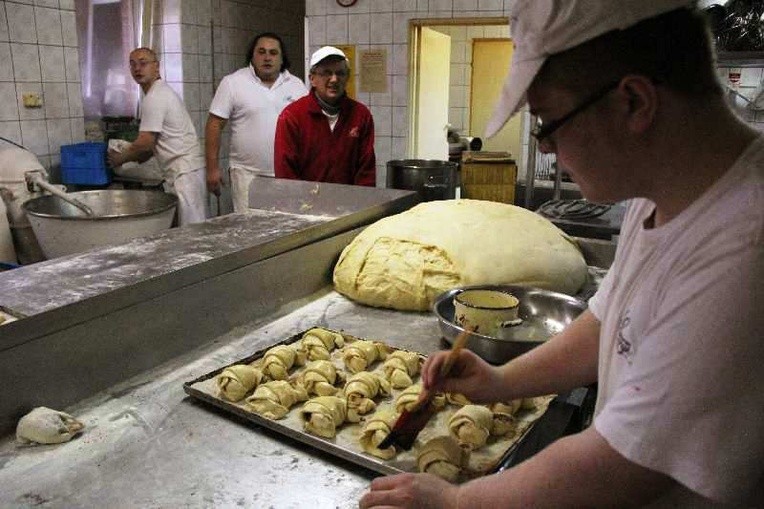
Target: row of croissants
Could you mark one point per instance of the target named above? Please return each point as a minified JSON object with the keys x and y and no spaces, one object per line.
{"x":334,"y":396}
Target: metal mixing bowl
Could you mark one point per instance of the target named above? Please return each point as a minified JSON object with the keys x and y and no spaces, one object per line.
{"x":118,"y":216}
{"x":544,"y":314}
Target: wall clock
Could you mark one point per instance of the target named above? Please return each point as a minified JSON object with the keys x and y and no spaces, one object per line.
{"x":347,"y":3}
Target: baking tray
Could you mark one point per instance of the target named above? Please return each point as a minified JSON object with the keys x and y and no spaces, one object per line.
{"x":490,"y":459}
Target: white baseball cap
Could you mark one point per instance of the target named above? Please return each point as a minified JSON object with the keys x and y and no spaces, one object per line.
{"x":323,"y":52}
{"x":541,"y":28}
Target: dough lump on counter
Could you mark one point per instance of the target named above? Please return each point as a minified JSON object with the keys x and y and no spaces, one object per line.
{"x":406,"y":260}
{"x":46,"y":426}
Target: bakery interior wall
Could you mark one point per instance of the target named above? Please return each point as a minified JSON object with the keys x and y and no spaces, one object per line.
{"x":40,"y":53}
{"x":373,"y":24}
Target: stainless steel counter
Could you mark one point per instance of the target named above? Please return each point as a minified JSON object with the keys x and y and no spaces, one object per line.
{"x":119,"y":363}
{"x":148,"y":445}
{"x":96,"y":318}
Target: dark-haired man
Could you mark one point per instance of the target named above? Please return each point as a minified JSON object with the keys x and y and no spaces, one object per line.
{"x":251,"y":99}
{"x":628,"y":100}
{"x":326,"y":136}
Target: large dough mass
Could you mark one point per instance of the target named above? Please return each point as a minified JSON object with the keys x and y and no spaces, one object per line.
{"x":405,"y":261}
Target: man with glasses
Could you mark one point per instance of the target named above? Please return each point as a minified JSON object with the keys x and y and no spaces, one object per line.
{"x":629,"y":101}
{"x":326,"y":136}
{"x":167,"y":132}
{"x":251,"y":99}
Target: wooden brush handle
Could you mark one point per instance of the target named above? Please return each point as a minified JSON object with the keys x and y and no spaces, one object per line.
{"x":459,"y":343}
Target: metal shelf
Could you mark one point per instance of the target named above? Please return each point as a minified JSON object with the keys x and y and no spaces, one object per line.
{"x":740,"y":59}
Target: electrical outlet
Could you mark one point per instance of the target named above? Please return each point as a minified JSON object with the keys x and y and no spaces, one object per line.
{"x":32,"y":100}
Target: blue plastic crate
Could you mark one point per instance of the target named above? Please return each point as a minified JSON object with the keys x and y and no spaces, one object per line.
{"x":85,"y":164}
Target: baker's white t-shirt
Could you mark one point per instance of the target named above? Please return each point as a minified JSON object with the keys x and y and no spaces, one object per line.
{"x":177,"y":147}
{"x":681,"y":356}
{"x":252,"y":110}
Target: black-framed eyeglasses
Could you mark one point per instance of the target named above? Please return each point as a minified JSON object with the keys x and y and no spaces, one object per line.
{"x":328,"y":73}
{"x":542,"y":130}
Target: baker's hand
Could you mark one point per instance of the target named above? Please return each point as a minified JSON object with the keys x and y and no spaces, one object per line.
{"x":214,"y":180}
{"x":470,"y":375}
{"x":115,"y":158}
{"x":410,"y":491}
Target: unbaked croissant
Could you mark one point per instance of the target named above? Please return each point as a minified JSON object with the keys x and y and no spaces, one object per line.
{"x":318,"y":343}
{"x":279,"y":360}
{"x":376,"y":429}
{"x":273,"y":399}
{"x":444,"y":457}
{"x":407,"y":398}
{"x":504,"y":417}
{"x":234,"y":382}
{"x":361,"y":354}
{"x":319,"y":378}
{"x":400,"y":366}
{"x":471,"y":425}
{"x":458,"y":399}
{"x":410,"y":395}
{"x":323,"y":414}
{"x":360,"y":391}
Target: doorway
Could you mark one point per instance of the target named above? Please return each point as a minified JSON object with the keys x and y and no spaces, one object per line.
{"x":480,"y":54}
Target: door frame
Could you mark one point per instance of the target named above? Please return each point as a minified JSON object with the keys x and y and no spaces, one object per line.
{"x":415,"y":28}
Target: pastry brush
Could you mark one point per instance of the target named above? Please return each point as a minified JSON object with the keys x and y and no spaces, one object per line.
{"x":411,"y":422}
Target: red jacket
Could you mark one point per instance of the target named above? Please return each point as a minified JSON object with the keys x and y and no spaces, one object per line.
{"x":306,"y":149}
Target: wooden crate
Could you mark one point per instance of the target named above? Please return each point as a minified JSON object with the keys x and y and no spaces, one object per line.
{"x":488,"y":176}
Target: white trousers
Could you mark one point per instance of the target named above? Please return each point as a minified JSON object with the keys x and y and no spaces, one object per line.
{"x":191,"y":190}
{"x":240,"y":182}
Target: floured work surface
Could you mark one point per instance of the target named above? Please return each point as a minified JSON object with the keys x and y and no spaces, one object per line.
{"x":346,"y":443}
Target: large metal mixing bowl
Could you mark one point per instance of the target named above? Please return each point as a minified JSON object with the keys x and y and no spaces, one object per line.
{"x":118,"y":216}
{"x":544,"y":313}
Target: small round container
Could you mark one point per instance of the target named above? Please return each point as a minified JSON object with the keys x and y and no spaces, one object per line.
{"x":486,"y":311}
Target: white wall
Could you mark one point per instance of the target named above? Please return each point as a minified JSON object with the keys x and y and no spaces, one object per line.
{"x":39,"y":54}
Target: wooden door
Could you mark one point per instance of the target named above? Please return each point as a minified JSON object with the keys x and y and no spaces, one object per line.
{"x":490,"y":64}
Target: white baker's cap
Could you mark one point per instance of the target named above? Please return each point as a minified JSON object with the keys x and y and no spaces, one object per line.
{"x":325,"y":51}
{"x":541,"y":28}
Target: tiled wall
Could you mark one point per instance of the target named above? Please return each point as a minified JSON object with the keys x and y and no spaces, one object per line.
{"x":203,"y":40}
{"x":198,"y":41}
{"x":385,"y":24}
{"x":39,"y":54}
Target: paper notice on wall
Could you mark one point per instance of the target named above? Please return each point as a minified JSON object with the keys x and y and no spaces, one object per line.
{"x":373,"y":70}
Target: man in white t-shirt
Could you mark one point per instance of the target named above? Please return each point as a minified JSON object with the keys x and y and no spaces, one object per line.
{"x":167,"y":132}
{"x":251,"y":99}
{"x":627,"y":97}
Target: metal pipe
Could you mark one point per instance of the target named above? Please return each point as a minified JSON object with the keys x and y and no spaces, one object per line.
{"x":35,"y":178}
{"x":530,"y":168}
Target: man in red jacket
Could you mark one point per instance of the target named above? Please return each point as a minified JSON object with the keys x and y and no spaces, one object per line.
{"x":326,"y":136}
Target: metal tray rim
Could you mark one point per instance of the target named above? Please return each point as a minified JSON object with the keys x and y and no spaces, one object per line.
{"x":368,"y":462}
